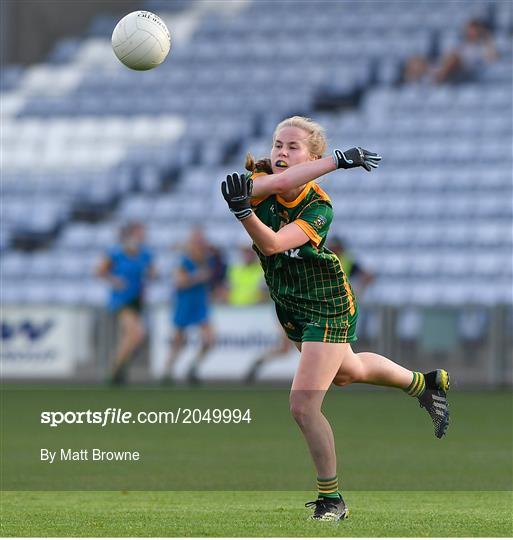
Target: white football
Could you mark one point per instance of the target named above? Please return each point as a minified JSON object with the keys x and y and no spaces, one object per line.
{"x":141,"y":40}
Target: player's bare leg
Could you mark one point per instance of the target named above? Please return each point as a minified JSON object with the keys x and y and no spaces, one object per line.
{"x":430,"y":388}
{"x":131,"y":336}
{"x":371,"y":368}
{"x":207,"y":341}
{"x":178,"y":343}
{"x":318,"y":363}
{"x":282,"y":348}
{"x":318,"y":366}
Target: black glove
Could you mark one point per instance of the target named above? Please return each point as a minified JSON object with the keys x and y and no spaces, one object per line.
{"x":356,"y":157}
{"x":236,"y":191}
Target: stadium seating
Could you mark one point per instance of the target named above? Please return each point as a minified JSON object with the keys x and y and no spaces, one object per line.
{"x":434,"y":223}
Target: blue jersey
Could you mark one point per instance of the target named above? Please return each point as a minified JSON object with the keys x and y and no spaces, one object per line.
{"x":190,"y":303}
{"x":132,"y":270}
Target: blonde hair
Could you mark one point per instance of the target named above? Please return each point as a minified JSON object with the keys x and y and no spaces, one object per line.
{"x":316,"y":137}
{"x":316,"y":141}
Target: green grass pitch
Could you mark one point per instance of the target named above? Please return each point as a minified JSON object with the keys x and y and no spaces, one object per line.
{"x":264,"y":514}
{"x":398,"y":480}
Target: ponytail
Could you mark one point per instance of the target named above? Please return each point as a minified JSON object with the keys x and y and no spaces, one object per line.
{"x":262,"y":165}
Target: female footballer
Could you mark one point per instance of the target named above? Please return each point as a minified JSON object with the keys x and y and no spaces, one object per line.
{"x":287,"y":215}
{"x":127,"y":267}
{"x":191,"y":304}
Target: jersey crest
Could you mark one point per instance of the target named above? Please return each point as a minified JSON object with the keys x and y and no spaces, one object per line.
{"x":319,"y":222}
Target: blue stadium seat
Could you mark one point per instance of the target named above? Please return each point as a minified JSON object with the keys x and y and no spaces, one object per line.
{"x":10,"y":77}
{"x":430,"y":203}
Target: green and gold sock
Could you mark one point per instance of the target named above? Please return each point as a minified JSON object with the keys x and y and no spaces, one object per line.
{"x":328,"y":487}
{"x":417,"y":386}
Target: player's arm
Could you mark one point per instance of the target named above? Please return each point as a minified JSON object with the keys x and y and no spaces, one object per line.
{"x":300,"y":174}
{"x":184,"y":279}
{"x":104,"y":270}
{"x":270,"y":242}
{"x":293,"y":177}
{"x":236,"y":191}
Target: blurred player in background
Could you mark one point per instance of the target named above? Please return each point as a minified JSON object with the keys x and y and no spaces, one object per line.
{"x":191,"y":305}
{"x":359,"y":277}
{"x":287,"y":215}
{"x":218,"y":271}
{"x":245,"y":285}
{"x":127,"y":267}
{"x":281,"y":348}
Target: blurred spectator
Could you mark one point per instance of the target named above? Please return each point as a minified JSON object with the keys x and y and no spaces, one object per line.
{"x":245,"y":283}
{"x":359,"y":278}
{"x":417,"y":70}
{"x":466,"y":61}
{"x":126,"y":267}
{"x":192,"y":303}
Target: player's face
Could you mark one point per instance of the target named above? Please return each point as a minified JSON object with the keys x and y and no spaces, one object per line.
{"x":197,"y":244}
{"x":290,"y":147}
{"x":134,"y":238}
{"x":138,"y":234}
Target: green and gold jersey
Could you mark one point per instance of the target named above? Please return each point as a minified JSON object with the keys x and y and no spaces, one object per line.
{"x":308,"y":280}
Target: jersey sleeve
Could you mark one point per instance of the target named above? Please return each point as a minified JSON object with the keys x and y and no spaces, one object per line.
{"x":315,"y":221}
{"x":255,"y":201}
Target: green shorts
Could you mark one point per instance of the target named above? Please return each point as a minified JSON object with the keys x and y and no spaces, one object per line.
{"x":332,"y":330}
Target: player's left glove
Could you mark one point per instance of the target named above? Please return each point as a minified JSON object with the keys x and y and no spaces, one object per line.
{"x":356,"y":157}
{"x":236,"y":191}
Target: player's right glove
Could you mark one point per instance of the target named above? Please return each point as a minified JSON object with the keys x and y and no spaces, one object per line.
{"x":356,"y":157}
{"x":236,"y":191}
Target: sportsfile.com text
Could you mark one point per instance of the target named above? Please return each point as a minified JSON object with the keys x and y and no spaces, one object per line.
{"x":114,"y":415}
